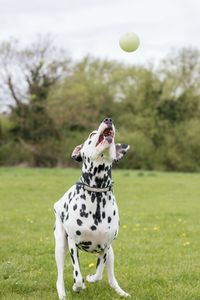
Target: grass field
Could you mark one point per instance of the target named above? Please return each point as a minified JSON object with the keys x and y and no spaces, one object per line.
{"x":157,"y":252}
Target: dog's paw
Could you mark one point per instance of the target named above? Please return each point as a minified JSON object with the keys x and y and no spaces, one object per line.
{"x":125,"y":295}
{"x":77,"y":287}
{"x":93,"y":278}
{"x":61,"y":291}
{"x":62,"y":298}
{"x":122,"y":293}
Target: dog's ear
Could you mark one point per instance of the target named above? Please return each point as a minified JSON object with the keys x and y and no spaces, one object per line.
{"x":76,"y":154}
{"x":121,"y":150}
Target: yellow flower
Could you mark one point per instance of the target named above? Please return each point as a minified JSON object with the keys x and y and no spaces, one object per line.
{"x":91,"y":265}
{"x":124,"y":226}
{"x":137,"y":225}
{"x":156,"y":228}
{"x":186,"y":243}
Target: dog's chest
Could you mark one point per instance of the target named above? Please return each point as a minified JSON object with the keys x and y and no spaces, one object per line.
{"x":91,"y":219}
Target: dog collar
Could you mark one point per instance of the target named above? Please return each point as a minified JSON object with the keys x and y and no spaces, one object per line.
{"x":95,"y":189}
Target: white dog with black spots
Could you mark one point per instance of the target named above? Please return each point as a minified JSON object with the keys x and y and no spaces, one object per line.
{"x":87,"y":215}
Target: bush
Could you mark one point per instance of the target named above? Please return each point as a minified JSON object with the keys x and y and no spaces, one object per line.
{"x":12,"y":153}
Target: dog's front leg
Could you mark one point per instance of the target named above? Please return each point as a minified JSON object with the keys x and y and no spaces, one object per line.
{"x":60,"y":249}
{"x":111,"y":276}
{"x":78,"y":279}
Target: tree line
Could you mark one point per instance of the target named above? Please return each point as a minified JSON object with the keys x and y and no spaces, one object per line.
{"x":49,"y":104}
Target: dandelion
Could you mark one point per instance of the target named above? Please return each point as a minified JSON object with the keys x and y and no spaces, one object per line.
{"x":124,"y":226}
{"x":137,"y":225}
{"x":186,"y":243}
{"x":91,"y":265}
{"x":156,"y":228}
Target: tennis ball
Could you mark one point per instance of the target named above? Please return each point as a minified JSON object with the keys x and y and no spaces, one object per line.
{"x":129,"y":42}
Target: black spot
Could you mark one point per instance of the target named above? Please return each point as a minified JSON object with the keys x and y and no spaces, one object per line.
{"x":87,"y":177}
{"x":54,"y":228}
{"x":101,"y":168}
{"x":109,"y":219}
{"x":78,"y":232}
{"x":90,"y":212}
{"x":83,"y":207}
{"x":97,"y":215}
{"x":98,"y":262}
{"x":72,"y":256}
{"x":75,"y":207}
{"x":104,"y":202}
{"x":93,"y":227}
{"x":114,"y":212}
{"x":95,"y":170}
{"x":99,"y":181}
{"x":70,"y":195}
{"x":88,"y":160}
{"x":91,"y":167}
{"x":83,"y":196}
{"x":87,"y":243}
{"x":109,"y":197}
{"x":74,"y":280}
{"x":93,"y":197}
{"x":76,"y":273}
{"x":89,"y":142}
{"x":85,"y":248}
{"x":62,"y":216}
{"x":104,"y":258}
{"x":103,"y":214}
{"x":79,"y":222}
{"x":67,"y":217}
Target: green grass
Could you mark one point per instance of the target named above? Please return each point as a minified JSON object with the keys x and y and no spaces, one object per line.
{"x":157,"y":252}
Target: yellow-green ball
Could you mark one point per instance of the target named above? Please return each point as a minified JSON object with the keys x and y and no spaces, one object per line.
{"x":129,"y":42}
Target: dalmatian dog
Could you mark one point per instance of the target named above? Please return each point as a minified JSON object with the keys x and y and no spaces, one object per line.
{"x":87,"y":215}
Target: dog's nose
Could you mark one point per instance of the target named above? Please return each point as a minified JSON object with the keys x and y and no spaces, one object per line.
{"x":108,"y":121}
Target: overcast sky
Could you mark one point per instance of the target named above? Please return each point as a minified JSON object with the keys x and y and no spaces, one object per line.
{"x":94,"y":26}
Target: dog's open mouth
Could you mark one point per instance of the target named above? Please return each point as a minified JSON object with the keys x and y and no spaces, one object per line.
{"x":107,"y":135}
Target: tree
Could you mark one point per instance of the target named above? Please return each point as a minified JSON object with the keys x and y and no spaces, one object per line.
{"x":27,"y":75}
